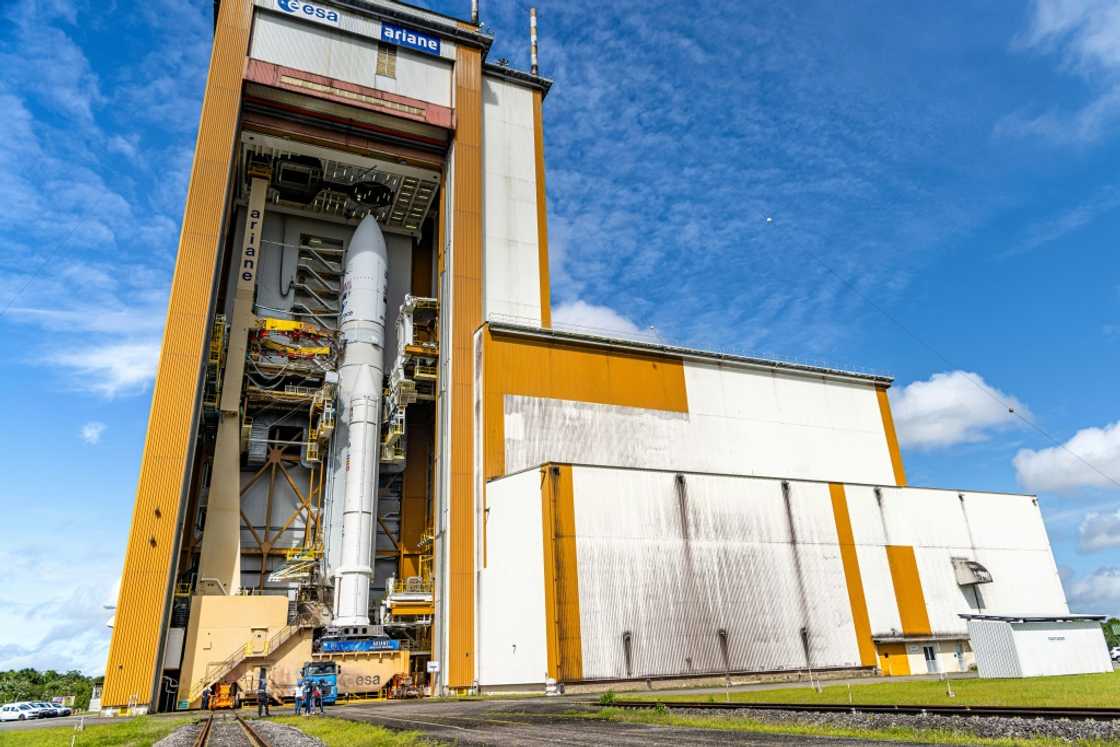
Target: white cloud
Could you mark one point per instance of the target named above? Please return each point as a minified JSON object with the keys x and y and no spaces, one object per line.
{"x":112,"y":369}
{"x":1099,"y":531}
{"x":580,"y":316}
{"x":1085,"y":34}
{"x":1097,"y":593}
{"x":49,"y":618}
{"x":1058,"y":469}
{"x":91,"y":432}
{"x":951,"y":408}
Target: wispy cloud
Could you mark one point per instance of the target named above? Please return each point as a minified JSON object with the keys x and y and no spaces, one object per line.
{"x":951,"y":408}
{"x":1067,"y":466}
{"x":1085,"y":38}
{"x":92,"y":431}
{"x":1097,"y":592}
{"x":61,"y":620}
{"x":1104,"y":202}
{"x":1099,"y":531}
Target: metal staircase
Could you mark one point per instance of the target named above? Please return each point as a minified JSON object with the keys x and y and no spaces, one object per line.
{"x":215,"y":671}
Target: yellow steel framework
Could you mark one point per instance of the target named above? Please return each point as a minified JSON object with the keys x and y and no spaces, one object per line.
{"x":309,"y":506}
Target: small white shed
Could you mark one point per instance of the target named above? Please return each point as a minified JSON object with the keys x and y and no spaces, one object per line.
{"x":1034,"y":646}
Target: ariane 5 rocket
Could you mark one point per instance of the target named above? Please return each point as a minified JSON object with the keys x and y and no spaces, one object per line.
{"x":362,"y":327}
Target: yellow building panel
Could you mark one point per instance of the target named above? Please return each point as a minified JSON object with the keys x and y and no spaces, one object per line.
{"x":466,"y":316}
{"x":892,"y":437}
{"x":540,"y":368}
{"x":861,"y":621}
{"x":134,"y":655}
{"x":908,"y":590}
{"x":893,"y":659}
{"x":561,"y":574}
{"x":542,"y":210}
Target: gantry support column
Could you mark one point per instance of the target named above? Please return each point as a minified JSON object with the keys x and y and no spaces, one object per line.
{"x":219,"y":565}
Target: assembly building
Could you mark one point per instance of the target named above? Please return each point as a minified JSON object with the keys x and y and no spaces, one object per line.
{"x":370,"y":450}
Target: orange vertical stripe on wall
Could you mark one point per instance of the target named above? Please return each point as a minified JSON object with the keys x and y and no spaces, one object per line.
{"x":466,"y":316}
{"x":908,"y":590}
{"x":852,"y":576}
{"x":542,"y":210}
{"x":892,"y":437}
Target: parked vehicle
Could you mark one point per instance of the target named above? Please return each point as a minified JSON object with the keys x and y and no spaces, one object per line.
{"x":63,"y":710}
{"x":18,"y":712}
{"x":1115,"y":653}
{"x":50,"y":710}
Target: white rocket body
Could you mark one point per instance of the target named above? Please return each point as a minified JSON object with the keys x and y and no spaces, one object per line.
{"x":362,"y":326}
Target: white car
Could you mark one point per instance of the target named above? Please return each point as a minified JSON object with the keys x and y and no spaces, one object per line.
{"x":18,"y":712}
{"x":50,"y":710}
{"x":1115,"y":653}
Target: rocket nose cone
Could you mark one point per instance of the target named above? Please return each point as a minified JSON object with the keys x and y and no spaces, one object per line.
{"x":367,"y":231}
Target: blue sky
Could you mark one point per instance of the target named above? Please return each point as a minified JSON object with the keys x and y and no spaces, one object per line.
{"x":943,"y":201}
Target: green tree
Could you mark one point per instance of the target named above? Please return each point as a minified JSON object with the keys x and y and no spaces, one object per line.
{"x":31,"y":684}
{"x":1111,"y":631}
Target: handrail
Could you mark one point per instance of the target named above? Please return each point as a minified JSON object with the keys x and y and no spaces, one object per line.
{"x":217,"y":670}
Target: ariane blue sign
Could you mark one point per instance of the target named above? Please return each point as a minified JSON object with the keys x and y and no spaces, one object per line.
{"x":310,"y":11}
{"x":337,"y":645}
{"x":403,"y":37}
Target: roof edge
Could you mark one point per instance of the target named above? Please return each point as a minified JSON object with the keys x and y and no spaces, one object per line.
{"x":695,"y":354}
{"x":1072,"y":617}
{"x":518,"y":76}
{"x":739,"y":476}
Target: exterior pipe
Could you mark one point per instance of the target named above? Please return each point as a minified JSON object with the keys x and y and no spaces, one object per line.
{"x":533,"y":67}
{"x":362,"y":324}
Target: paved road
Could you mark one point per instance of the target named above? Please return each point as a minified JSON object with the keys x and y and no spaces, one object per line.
{"x":541,"y":721}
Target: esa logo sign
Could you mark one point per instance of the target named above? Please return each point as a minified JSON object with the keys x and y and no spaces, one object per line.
{"x":310,"y":11}
{"x":408,"y":38}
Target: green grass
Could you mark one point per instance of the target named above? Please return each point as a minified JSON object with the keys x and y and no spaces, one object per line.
{"x":894,"y":734}
{"x":1081,"y":690}
{"x":137,"y":732}
{"x":336,"y":732}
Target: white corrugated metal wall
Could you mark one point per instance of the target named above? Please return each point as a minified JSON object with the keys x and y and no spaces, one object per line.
{"x":512,"y":647}
{"x":1068,"y":647}
{"x":512,"y":287}
{"x":673,"y":570}
{"x":740,"y":420}
{"x":1004,"y":532}
{"x":672,"y":565}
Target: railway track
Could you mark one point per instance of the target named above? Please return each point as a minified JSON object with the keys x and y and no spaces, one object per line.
{"x":228,"y":731}
{"x":1079,"y":714}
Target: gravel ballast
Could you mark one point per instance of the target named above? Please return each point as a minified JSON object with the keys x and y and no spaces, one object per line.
{"x":227,"y":733}
{"x":980,"y":726}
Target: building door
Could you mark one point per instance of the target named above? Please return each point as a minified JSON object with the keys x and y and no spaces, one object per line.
{"x":260,"y":638}
{"x":931,"y":659}
{"x":960,"y":657}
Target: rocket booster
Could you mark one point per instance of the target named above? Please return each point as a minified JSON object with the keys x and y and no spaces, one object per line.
{"x":362,"y":325}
